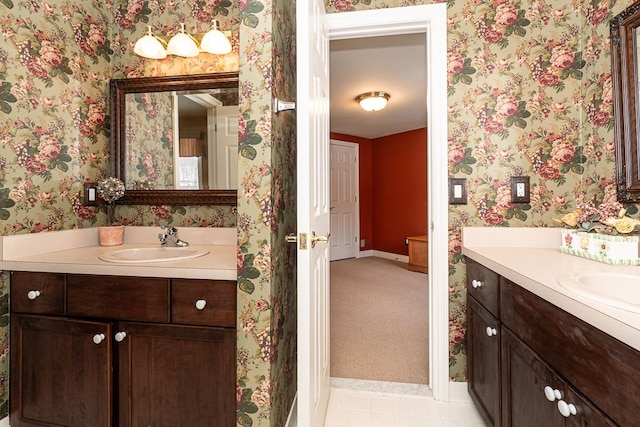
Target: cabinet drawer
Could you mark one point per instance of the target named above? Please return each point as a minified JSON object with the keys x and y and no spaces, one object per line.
{"x":203,"y":302}
{"x":482,"y":284}
{"x":38,"y":293}
{"x":121,"y":298}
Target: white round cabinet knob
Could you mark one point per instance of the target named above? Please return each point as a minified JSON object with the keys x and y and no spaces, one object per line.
{"x":552,"y":394}
{"x":33,"y":294}
{"x":476,"y":283}
{"x":566,"y":409}
{"x":119,"y":336}
{"x":98,"y":338}
{"x":491,"y":331}
{"x":201,"y":304}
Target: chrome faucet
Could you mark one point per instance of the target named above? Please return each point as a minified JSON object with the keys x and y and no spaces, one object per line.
{"x":170,"y":238}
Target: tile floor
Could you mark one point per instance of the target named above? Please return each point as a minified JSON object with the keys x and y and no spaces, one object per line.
{"x":357,"y":403}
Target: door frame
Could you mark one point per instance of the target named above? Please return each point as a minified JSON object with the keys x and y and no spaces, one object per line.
{"x":356,"y":224}
{"x":432,"y":21}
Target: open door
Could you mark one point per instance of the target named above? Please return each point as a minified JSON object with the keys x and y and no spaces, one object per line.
{"x":312,"y":106}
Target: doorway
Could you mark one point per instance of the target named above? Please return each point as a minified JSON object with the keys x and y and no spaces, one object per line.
{"x":430,"y":20}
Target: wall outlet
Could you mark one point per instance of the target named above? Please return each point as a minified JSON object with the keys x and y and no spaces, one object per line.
{"x":406,"y":241}
{"x":363,"y":243}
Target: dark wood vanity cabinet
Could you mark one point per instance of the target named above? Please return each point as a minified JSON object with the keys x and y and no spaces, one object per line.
{"x":483,"y":340}
{"x":121,"y":351}
{"x":548,"y":361}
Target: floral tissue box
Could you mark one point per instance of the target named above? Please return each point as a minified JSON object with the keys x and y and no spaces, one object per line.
{"x":618,"y":250}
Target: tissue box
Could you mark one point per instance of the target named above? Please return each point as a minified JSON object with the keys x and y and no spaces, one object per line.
{"x":618,"y":250}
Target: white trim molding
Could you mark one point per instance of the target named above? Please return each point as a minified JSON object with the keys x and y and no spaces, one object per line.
{"x":459,"y":392}
{"x":292,"y":419}
{"x":432,"y":21}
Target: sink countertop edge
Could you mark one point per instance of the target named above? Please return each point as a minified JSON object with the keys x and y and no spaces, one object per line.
{"x":521,"y":265}
{"x":18,"y":246}
{"x":219,"y":264}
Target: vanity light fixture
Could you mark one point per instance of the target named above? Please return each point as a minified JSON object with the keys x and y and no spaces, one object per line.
{"x":214,"y":41}
{"x":150,"y":46}
{"x":182,"y":44}
{"x":373,"y":101}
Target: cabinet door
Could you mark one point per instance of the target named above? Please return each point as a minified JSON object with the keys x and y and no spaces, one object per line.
{"x":524,"y":379}
{"x":173,"y":375}
{"x":586,"y":414}
{"x":483,"y":335}
{"x":59,"y":375}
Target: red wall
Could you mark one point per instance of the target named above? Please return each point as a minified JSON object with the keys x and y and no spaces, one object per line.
{"x":364,"y":177}
{"x":399,"y":189}
{"x":393,"y":189}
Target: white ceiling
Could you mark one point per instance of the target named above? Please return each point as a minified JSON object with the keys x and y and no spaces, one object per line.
{"x":394,"y":64}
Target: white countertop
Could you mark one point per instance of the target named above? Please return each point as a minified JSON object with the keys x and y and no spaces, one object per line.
{"x":530,"y":258}
{"x":78,"y":251}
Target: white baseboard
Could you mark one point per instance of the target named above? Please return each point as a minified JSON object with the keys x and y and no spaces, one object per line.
{"x":364,"y":254}
{"x":459,"y":392}
{"x":391,"y":256}
{"x":292,"y":419}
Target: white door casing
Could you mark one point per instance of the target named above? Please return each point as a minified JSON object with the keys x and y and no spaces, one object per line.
{"x":432,"y":20}
{"x":312,"y":108}
{"x":345,"y":233}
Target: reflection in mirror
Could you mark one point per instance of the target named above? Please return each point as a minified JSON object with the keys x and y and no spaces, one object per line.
{"x":175,"y":139}
{"x":625,"y":32}
{"x":205,"y":125}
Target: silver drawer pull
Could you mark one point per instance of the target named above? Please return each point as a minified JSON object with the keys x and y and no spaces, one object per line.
{"x":33,"y":294}
{"x":201,"y":304}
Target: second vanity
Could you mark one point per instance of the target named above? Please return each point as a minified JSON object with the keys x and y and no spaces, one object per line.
{"x":107,"y":344}
{"x":541,"y":351}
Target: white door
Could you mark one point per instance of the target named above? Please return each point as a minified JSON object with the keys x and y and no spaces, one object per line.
{"x":312,"y":106}
{"x":344,"y":202}
{"x":223,"y":165}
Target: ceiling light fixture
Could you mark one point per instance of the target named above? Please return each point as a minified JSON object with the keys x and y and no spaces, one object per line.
{"x":373,"y":101}
{"x":182,"y":44}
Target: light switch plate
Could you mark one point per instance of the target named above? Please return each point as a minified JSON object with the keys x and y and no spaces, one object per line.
{"x":457,"y":191}
{"x":520,"y":190}
{"x":91,"y":197}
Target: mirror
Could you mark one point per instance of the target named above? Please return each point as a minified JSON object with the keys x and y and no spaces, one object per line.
{"x":175,"y":139}
{"x":625,"y":41}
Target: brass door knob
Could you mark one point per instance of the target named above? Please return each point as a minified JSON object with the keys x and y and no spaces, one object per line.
{"x":319,"y":239}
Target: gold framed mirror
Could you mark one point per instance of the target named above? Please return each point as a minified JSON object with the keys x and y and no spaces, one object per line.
{"x":167,"y":144}
{"x":625,"y":54}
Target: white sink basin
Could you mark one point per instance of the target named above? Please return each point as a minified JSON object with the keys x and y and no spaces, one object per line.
{"x":154,"y":254}
{"x":614,"y":289}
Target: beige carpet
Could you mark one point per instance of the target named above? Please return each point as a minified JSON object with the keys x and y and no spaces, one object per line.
{"x":379,"y":321}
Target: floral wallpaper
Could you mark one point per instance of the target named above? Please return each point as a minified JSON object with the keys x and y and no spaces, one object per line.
{"x":266,"y":213}
{"x":149,"y":134}
{"x":529,"y":93}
